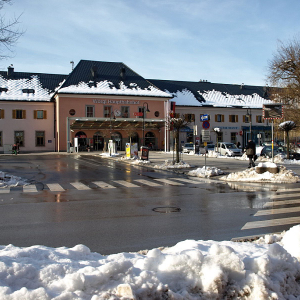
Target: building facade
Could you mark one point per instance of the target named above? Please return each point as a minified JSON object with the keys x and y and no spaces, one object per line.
{"x":102,"y":101}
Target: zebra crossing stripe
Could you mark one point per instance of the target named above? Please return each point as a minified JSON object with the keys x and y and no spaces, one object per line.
{"x":282,"y":202}
{"x":285,"y":196}
{"x":103,"y":185}
{"x":79,"y":186}
{"x":55,"y":187}
{"x":31,"y":188}
{"x":187,"y":180}
{"x":4,"y":190}
{"x":147,"y":182}
{"x":277,"y":211}
{"x":126,"y":183}
{"x":168,"y":181}
{"x":270,"y":223}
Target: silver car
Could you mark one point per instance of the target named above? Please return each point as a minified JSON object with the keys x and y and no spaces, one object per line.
{"x":229,"y":149}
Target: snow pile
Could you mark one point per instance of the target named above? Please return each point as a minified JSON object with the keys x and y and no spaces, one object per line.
{"x":205,"y":172}
{"x":250,"y":175}
{"x":106,"y":154}
{"x":10,"y":180}
{"x":189,"y":270}
{"x":170,"y":165}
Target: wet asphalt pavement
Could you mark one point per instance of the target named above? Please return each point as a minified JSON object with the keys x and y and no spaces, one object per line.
{"x":111,"y":206}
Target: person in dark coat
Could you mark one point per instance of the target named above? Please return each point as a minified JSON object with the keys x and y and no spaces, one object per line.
{"x":251,"y":152}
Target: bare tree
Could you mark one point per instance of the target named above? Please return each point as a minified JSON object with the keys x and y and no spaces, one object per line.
{"x":284,"y":77}
{"x":9,"y":32}
{"x":287,"y":126}
{"x":176,"y":124}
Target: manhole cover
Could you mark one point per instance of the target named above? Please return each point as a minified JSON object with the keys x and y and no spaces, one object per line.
{"x":166,"y":209}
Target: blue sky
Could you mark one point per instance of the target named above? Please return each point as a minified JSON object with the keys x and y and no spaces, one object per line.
{"x":222,"y":41}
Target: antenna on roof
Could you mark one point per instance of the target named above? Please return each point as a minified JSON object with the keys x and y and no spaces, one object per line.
{"x":72,"y":63}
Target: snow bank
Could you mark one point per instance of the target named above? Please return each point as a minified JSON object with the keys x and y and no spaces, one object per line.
{"x":168,"y":164}
{"x":250,"y":175}
{"x":189,"y":270}
{"x":205,"y":172}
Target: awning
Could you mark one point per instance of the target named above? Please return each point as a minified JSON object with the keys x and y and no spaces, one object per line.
{"x":118,"y":123}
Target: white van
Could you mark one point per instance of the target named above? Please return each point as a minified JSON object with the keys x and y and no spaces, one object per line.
{"x":229,"y":149}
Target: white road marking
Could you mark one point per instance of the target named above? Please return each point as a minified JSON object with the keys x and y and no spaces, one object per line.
{"x":126,"y":183}
{"x":187,"y":180}
{"x":285,"y":196}
{"x":288,"y":190}
{"x":168,"y":181}
{"x":31,"y":188}
{"x":4,"y":191}
{"x":80,"y":186}
{"x":55,"y":187}
{"x":282,"y":202}
{"x":147,"y":182}
{"x":103,"y":185}
{"x":270,"y":223}
{"x":277,"y":211}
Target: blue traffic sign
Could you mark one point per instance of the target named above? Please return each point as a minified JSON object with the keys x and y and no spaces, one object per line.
{"x":203,"y":118}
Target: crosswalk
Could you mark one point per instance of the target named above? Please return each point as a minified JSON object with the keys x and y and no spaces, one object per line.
{"x":285,"y":201}
{"x":113,"y":184}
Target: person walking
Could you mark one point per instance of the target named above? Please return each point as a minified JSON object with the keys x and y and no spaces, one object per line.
{"x":251,"y":152}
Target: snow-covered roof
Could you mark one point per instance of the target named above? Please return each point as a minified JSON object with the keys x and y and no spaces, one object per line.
{"x":108,"y":78}
{"x":108,"y":88}
{"x":188,"y":93}
{"x":21,"y":86}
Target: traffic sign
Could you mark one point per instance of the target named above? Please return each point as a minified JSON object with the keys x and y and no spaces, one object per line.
{"x":203,"y":118}
{"x":205,"y":124}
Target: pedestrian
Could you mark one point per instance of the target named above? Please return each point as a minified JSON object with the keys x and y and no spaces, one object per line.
{"x":251,"y":152}
{"x":14,"y":149}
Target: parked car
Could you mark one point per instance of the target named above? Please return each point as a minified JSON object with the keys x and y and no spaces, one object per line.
{"x":188,"y":147}
{"x":278,"y":150}
{"x":267,"y":151}
{"x":229,"y":149}
{"x":210,"y":147}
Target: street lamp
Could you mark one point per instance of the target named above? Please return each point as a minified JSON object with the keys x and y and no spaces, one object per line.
{"x":248,"y":115}
{"x":145,"y":105}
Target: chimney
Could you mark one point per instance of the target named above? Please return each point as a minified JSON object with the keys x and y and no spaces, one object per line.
{"x":94,"y":71}
{"x":10,"y":72}
{"x":123,"y":73}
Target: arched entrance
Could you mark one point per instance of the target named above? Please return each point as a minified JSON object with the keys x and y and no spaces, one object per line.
{"x":117,"y":138}
{"x":150,"y":140}
{"x":82,"y":140}
{"x":98,"y":141}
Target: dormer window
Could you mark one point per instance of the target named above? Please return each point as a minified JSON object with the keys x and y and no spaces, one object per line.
{"x":2,"y":89}
{"x":28,"y":91}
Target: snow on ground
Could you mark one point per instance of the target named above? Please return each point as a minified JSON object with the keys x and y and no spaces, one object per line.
{"x":205,"y":172}
{"x":250,"y":175}
{"x":7,"y":180}
{"x":266,"y":269}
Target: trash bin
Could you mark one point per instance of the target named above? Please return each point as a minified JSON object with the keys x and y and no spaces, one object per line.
{"x":145,"y":153}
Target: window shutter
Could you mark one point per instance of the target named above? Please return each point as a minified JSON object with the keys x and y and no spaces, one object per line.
{"x":236,"y":118}
{"x":45,"y":114}
{"x":222,"y":118}
{"x":257,"y":120}
{"x":2,"y":114}
{"x":244,"y":118}
{"x":14,"y":114}
{"x":24,"y":114}
{"x":216,"y":118}
{"x":230,"y":118}
{"x":193,"y":117}
{"x":35,"y":114}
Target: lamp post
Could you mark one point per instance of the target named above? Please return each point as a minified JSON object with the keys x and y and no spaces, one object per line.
{"x":145,"y":105}
{"x":249,"y":115}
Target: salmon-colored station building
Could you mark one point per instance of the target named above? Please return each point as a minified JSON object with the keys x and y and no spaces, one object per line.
{"x":103,"y":101}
